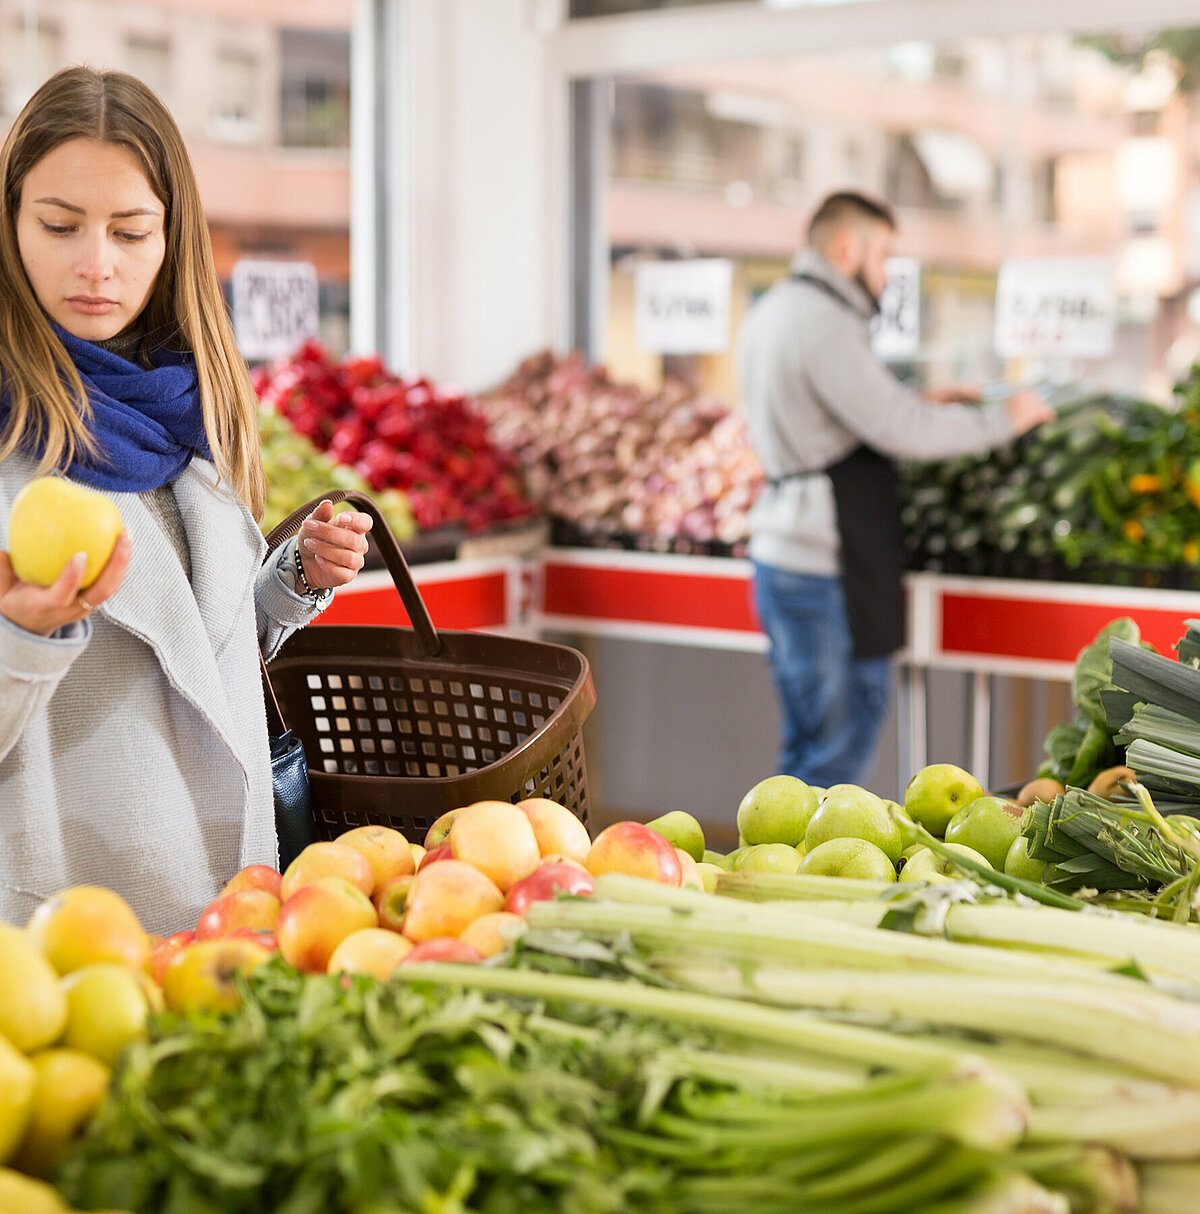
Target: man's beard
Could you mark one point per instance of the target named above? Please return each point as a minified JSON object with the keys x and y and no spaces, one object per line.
{"x":862,"y":282}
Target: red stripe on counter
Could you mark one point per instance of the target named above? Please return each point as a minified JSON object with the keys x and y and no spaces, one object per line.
{"x":639,"y":596}
{"x":1043,"y":630}
{"x":477,"y":602}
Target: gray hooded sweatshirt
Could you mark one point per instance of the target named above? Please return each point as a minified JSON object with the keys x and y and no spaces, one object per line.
{"x":813,"y":390}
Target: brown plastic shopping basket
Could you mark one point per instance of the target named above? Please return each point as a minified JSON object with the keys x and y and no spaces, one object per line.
{"x":401,"y":724}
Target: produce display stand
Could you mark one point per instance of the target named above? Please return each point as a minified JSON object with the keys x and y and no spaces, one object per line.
{"x":982,"y":627}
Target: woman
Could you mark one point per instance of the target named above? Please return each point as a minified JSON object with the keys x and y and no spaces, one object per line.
{"x":133,"y":738}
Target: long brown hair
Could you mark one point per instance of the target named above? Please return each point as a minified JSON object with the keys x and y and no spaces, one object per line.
{"x":48,"y":406}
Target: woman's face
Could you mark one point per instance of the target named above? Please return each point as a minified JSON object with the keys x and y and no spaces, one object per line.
{"x":90,"y":234}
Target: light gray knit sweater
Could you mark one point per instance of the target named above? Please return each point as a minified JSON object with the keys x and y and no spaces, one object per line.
{"x":133,"y":746}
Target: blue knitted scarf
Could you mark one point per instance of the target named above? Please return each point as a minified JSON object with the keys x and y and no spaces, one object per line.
{"x":147,"y":424}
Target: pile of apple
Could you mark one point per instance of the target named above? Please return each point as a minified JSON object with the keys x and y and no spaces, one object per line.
{"x":74,"y":993}
{"x":786,"y":825}
{"x":433,"y":443}
{"x":371,"y":900}
{"x":611,"y":458}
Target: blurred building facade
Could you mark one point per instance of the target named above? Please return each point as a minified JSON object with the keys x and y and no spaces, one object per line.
{"x":261,"y":92}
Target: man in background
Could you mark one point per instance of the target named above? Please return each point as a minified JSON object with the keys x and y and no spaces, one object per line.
{"x":828,"y":419}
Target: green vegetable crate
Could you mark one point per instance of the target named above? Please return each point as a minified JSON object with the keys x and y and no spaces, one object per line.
{"x":400,"y":725}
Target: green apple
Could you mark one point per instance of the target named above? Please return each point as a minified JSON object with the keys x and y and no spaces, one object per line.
{"x":927,"y":865}
{"x":1019,"y":863}
{"x":776,"y":810}
{"x":769,"y":858}
{"x":937,"y":792}
{"x":850,"y":812}
{"x":709,"y":874}
{"x":848,"y":857}
{"x":730,"y":864}
{"x":681,"y":830}
{"x":713,"y":857}
{"x":988,"y":825}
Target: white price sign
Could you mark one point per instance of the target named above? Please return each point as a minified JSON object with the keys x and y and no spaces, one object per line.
{"x":275,"y":307}
{"x":682,"y":307}
{"x":896,"y":330}
{"x":1056,"y":307}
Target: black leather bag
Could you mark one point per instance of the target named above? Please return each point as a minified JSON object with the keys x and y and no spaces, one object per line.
{"x":294,"y":825}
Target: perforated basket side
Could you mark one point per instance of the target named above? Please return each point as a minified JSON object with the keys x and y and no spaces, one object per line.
{"x":398,"y":738}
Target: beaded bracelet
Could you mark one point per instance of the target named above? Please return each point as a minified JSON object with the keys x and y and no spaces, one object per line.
{"x":308,"y":590}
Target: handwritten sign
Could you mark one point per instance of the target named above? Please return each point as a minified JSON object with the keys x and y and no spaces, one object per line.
{"x":682,"y":307}
{"x":896,"y":330}
{"x":1056,"y":307}
{"x":275,"y":308}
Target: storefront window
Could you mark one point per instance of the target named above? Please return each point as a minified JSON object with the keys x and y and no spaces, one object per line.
{"x":991,"y":149}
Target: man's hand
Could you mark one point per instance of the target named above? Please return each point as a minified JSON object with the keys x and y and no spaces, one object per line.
{"x":46,"y":609}
{"x":953,"y":394}
{"x":333,"y":549}
{"x":1027,"y":409}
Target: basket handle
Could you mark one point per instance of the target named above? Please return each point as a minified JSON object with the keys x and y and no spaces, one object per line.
{"x":389,"y":549}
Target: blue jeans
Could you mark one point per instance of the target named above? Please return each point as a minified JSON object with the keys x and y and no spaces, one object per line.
{"x":833,"y":703}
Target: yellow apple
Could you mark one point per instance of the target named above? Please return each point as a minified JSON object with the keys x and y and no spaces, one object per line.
{"x":445,"y":897}
{"x":51,"y":520}
{"x":33,"y":1008}
{"x":26,"y":1195}
{"x":493,"y":933}
{"x":498,"y":839}
{"x":17,"y":1079}
{"x":200,"y":978}
{"x":318,"y":917}
{"x":557,"y":830}
{"x":370,"y":950}
{"x":106,"y":1009}
{"x":327,"y":860}
{"x":689,"y":874}
{"x":386,"y":850}
{"x":68,"y":1085}
{"x":87,"y":923}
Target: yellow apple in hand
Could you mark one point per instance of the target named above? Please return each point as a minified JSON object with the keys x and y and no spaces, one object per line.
{"x":51,"y":520}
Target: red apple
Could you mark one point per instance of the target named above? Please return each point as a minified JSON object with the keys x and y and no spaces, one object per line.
{"x":164,"y":951}
{"x":443,"y":948}
{"x":253,"y":908}
{"x":266,"y":939}
{"x":318,"y":917}
{"x":254,"y":876}
{"x":443,"y":851}
{"x":498,"y":839}
{"x":544,"y":882}
{"x":445,"y":897}
{"x":633,"y":848}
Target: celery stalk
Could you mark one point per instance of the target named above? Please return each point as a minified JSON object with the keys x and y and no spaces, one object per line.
{"x":1169,"y":1188}
{"x":1158,"y":1035}
{"x":992,"y":1114}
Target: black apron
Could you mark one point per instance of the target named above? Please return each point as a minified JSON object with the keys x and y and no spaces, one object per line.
{"x":866,"y":495}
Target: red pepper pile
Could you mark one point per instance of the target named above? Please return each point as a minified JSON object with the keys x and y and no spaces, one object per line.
{"x":398,"y":433}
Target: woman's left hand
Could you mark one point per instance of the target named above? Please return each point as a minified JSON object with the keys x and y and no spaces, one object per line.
{"x":333,"y":549}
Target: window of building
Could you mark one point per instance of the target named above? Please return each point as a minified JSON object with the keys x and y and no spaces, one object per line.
{"x":236,"y":116}
{"x":148,"y":57}
{"x":314,"y":88}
